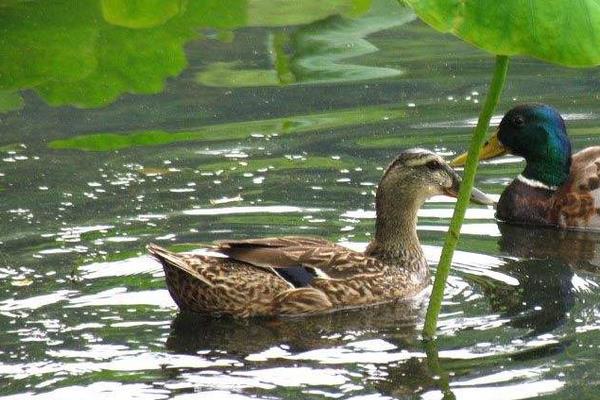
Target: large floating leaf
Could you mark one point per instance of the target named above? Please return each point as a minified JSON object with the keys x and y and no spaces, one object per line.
{"x":565,"y":32}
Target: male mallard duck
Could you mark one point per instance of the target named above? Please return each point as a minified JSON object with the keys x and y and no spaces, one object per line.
{"x":556,"y":188}
{"x":305,"y":275}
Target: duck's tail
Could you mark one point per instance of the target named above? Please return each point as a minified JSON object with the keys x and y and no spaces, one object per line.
{"x":170,"y":260}
{"x":164,"y":255}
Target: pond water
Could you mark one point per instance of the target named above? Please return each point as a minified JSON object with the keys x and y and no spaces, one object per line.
{"x":187,"y":122}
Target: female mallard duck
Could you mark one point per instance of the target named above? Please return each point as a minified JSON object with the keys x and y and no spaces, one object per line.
{"x":556,"y":188}
{"x":305,"y":275}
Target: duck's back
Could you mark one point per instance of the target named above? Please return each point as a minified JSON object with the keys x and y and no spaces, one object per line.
{"x":577,"y":202}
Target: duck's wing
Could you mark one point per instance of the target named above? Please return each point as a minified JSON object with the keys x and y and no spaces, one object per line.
{"x":585,"y":159}
{"x":585,"y":172}
{"x":578,"y":201}
{"x":281,"y":241}
{"x":300,"y":260}
{"x":189,"y":264}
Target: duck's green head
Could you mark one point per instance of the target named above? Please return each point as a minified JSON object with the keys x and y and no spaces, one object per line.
{"x":537,"y":133}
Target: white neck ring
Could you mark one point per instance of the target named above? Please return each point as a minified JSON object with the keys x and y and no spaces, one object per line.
{"x":535,"y":184}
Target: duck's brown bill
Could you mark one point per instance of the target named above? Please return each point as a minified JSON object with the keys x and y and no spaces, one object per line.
{"x":492,"y":148}
{"x":477,"y":196}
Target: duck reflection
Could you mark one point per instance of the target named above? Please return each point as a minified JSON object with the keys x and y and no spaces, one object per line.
{"x":273,"y":340}
{"x":541,"y":300}
{"x":548,"y":261}
{"x":193,"y":332}
{"x":580,"y":249}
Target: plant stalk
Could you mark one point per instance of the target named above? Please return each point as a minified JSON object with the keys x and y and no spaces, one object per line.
{"x":479,"y":134}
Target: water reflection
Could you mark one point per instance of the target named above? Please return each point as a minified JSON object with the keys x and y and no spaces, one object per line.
{"x":97,"y":53}
{"x":546,"y":271}
{"x":437,"y":370}
{"x":103,"y":52}
{"x":191,"y":333}
{"x":321,"y":51}
{"x":577,"y":248}
{"x":439,"y":375}
{"x":542,"y":300}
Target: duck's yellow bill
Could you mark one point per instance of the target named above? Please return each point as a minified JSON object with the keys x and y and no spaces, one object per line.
{"x":492,"y":148}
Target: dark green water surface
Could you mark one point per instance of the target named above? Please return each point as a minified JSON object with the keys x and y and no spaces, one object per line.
{"x":183,"y":122}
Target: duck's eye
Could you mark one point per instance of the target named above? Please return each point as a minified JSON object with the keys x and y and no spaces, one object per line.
{"x":519,"y":121}
{"x":433,"y":165}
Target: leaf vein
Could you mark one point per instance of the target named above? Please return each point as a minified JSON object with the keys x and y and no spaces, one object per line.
{"x":532,"y":20}
{"x":588,"y":17}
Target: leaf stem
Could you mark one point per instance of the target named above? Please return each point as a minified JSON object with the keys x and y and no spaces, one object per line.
{"x":437,"y":294}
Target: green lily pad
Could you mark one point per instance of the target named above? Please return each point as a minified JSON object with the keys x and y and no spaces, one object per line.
{"x":559,"y":31}
{"x":87,"y":53}
{"x":33,"y":52}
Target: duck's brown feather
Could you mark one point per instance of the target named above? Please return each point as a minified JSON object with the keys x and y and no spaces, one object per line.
{"x":251,"y":280}
{"x":330,"y":260}
{"x":577,"y":202}
{"x":283,"y":241}
{"x":217,"y":285}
